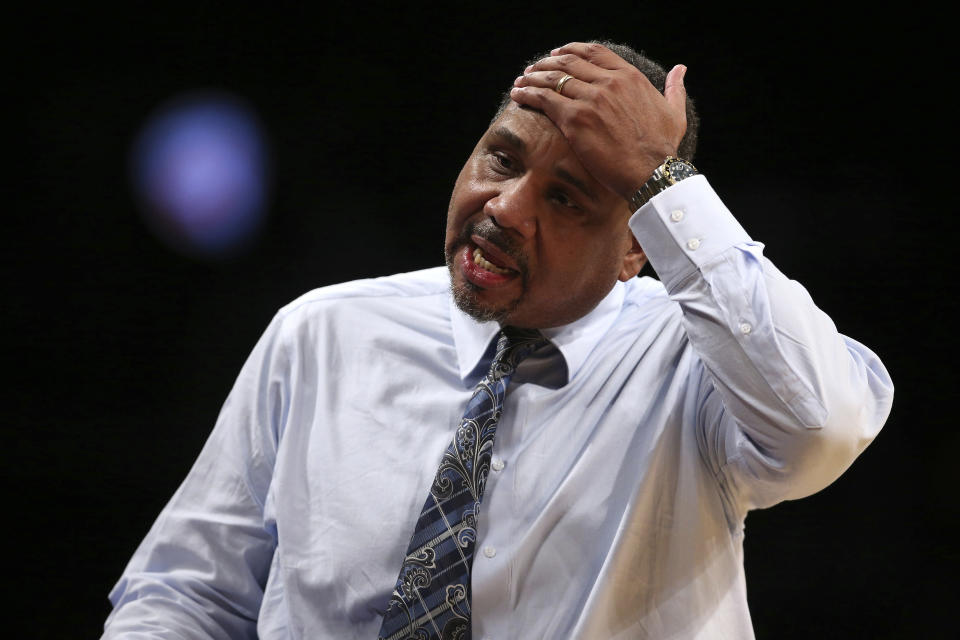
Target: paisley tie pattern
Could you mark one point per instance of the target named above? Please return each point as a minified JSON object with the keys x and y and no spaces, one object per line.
{"x":431,"y":600}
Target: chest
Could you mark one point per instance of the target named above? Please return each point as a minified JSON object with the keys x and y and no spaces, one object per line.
{"x":356,"y":461}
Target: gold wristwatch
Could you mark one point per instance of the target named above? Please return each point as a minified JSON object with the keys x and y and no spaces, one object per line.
{"x":672,"y":171}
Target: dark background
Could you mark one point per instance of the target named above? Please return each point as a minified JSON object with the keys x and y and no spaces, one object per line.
{"x":828,"y":135}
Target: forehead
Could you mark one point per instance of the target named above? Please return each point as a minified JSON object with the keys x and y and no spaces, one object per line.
{"x":530,"y":126}
{"x":536,"y":139}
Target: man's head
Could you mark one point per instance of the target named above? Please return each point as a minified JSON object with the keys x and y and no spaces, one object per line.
{"x":657,"y":76}
{"x":533,"y":240}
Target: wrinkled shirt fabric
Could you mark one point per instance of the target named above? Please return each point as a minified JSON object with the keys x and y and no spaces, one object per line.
{"x":627,"y":457}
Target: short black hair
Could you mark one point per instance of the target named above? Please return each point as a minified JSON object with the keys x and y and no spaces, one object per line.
{"x":657,"y":76}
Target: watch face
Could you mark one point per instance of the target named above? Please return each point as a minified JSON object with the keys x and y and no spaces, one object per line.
{"x":679,"y":170}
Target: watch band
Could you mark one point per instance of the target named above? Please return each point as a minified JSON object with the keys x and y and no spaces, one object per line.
{"x":672,"y":171}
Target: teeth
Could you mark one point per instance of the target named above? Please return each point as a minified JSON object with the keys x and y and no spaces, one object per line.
{"x":486,"y":264}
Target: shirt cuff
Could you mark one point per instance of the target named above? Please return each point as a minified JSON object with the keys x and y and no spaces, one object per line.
{"x":684,"y":228}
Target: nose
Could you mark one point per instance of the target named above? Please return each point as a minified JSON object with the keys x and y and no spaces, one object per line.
{"x":514,"y":207}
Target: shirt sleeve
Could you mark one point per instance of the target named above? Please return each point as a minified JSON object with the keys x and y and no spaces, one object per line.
{"x":787,"y":402}
{"x":201,"y":570}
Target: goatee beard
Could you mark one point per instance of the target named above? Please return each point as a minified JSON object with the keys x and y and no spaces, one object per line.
{"x":466,"y":298}
{"x":465,"y":294}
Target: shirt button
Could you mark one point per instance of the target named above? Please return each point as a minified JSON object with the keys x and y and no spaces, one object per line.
{"x":693,"y":244}
{"x":489,"y":552}
{"x":745,"y":328}
{"x":676,"y":215}
{"x":497,"y":464}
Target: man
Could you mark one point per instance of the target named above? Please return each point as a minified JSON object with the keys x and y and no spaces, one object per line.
{"x":628,"y":448}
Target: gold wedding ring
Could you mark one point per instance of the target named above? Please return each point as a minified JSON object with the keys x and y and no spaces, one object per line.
{"x":563,"y":81}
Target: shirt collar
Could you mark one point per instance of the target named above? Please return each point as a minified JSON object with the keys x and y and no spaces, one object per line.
{"x":575,"y":341}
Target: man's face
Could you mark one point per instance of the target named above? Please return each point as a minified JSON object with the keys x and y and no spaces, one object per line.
{"x":532,"y":239}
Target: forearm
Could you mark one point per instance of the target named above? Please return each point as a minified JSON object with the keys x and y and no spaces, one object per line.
{"x":800,"y":401}
{"x":200,"y":571}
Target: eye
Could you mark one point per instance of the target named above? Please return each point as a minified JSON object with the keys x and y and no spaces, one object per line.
{"x":503,"y":162}
{"x":563,"y":199}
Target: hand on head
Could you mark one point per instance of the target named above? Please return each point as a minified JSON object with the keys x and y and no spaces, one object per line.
{"x":618,"y":124}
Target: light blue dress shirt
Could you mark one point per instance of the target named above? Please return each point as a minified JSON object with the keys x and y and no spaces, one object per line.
{"x":625,"y":462}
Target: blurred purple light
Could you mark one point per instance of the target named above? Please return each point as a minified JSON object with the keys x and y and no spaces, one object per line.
{"x":199,"y":170}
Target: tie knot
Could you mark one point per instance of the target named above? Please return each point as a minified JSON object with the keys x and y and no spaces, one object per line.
{"x":513,"y":346}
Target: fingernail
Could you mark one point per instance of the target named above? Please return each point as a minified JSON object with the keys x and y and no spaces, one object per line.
{"x":516,"y":81}
{"x":528,"y":69}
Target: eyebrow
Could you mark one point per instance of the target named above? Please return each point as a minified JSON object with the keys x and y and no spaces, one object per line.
{"x":576,"y":182}
{"x":510,"y":137}
{"x":514,"y":140}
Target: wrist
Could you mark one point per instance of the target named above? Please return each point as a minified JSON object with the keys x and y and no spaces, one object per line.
{"x":668,"y":173}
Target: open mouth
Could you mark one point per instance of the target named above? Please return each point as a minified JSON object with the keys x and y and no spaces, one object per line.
{"x":486,"y":266}
{"x":480,"y":260}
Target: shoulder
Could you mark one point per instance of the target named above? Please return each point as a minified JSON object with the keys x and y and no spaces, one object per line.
{"x":648,"y":316}
{"x":423,"y":283}
{"x":371,"y":305}
{"x":648,"y":296}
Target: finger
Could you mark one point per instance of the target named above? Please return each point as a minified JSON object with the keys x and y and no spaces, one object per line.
{"x":594,"y":53}
{"x":574,"y":65}
{"x":675,"y":92}
{"x":572,"y":88}
{"x":546,"y":100}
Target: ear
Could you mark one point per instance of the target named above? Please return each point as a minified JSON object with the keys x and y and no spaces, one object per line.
{"x":633,"y":260}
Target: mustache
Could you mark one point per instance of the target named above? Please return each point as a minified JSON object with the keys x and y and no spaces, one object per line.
{"x":496,"y":236}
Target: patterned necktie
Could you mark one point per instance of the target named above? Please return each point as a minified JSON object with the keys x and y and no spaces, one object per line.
{"x":431,"y":600}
